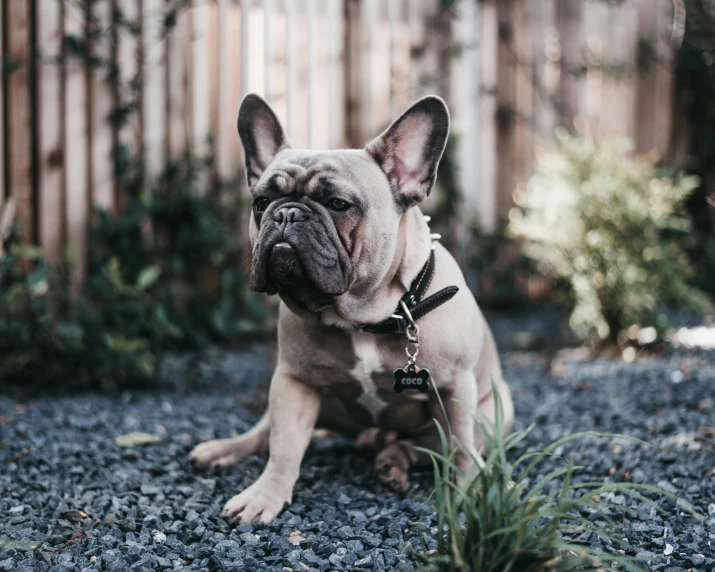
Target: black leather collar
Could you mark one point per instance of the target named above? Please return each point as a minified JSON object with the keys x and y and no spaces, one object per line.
{"x":414,"y":302}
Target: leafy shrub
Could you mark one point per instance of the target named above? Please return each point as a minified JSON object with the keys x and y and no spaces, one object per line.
{"x":162,"y":275}
{"x":607,"y":224}
{"x":498,"y":522}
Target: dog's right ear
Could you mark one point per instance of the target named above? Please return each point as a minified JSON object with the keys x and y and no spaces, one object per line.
{"x":261,"y":134}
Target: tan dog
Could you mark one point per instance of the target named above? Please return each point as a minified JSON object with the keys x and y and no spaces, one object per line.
{"x":338,"y":235}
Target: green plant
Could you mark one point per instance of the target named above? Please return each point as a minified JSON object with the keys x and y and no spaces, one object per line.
{"x":163,"y":275}
{"x":607,"y":223}
{"x":498,"y":522}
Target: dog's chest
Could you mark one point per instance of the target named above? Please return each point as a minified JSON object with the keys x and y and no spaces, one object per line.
{"x":368,"y":365}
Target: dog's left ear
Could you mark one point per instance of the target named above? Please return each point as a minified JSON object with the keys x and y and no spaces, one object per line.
{"x":261,"y":134}
{"x":410,"y":149}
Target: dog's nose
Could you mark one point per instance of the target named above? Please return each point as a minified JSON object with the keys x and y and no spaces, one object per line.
{"x":289,"y":215}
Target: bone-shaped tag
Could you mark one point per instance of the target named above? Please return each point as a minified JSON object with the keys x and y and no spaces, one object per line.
{"x":411,"y":377}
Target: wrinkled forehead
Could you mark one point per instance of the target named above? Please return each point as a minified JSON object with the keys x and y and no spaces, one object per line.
{"x":298,"y":170}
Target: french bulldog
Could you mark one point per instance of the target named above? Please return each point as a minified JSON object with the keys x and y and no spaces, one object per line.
{"x":339,"y":236}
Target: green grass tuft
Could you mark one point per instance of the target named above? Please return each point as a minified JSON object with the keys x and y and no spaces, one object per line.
{"x":504,"y":520}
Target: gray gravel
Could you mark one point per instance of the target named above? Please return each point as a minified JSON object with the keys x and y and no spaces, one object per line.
{"x":71,"y":499}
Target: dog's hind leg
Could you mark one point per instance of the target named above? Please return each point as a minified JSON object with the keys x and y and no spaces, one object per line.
{"x":219,"y":453}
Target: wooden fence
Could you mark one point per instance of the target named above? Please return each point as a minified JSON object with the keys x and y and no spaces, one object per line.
{"x":336,"y":71}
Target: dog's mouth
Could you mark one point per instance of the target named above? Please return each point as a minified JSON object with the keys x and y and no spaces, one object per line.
{"x":287,"y":276}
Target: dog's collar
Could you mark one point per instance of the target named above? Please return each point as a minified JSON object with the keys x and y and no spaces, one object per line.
{"x":413,"y":300}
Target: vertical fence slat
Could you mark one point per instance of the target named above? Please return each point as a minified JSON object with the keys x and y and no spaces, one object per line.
{"x":2,"y":127}
{"x":290,"y":65}
{"x":524,"y":47}
{"x":76,"y":146}
{"x":416,"y":22}
{"x":488,"y":82}
{"x":200,"y":82}
{"x":547,"y":55}
{"x":267,"y":48}
{"x":469,"y":141}
{"x":401,"y":77}
{"x":624,"y":30}
{"x":392,"y":19}
{"x":128,"y":56}
{"x":177,"y":64}
{"x":368,"y":21}
{"x":310,"y":71}
{"x":245,"y":37}
{"x":154,"y":86}
{"x":595,"y":23}
{"x":50,"y":160}
{"x":380,"y":62}
{"x":353,"y":74}
{"x":335,"y":74}
{"x":223,"y":155}
{"x":508,"y":110}
{"x":663,"y":113}
{"x":19,"y":126}
{"x":569,"y":17}
{"x":101,"y":104}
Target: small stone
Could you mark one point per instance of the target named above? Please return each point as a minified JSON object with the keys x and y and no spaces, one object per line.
{"x":159,"y":537}
{"x":344,"y":499}
{"x":150,"y":490}
{"x":249,"y":538}
{"x":668,"y":549}
{"x":364,"y":561}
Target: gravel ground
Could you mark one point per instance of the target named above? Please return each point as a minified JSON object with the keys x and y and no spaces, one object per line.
{"x":71,"y":499}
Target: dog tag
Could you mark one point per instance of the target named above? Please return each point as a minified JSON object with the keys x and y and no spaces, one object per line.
{"x":411,"y":377}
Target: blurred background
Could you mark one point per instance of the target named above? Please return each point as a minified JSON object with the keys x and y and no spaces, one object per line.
{"x":580,"y":172}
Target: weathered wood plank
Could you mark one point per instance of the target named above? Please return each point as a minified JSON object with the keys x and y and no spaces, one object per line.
{"x":50,"y":150}
{"x":267,"y":49}
{"x":546,"y":55}
{"x":200,"y":78}
{"x":290,"y":66}
{"x":488,"y":143}
{"x":310,"y":71}
{"x":224,"y":168}
{"x":19,"y":127}
{"x":624,"y":43}
{"x":336,"y":80}
{"x":178,"y":64}
{"x":400,"y":89}
{"x":469,"y":142}
{"x":569,"y":17}
{"x":353,"y":73}
{"x":509,"y":160}
{"x":127,"y":95}
{"x":2,"y":124}
{"x":524,"y":136}
{"x":101,"y":105}
{"x":595,"y":22}
{"x":664,"y":80}
{"x":76,"y":147}
{"x":154,"y":80}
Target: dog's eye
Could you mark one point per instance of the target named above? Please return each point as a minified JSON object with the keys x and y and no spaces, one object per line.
{"x":338,"y":204}
{"x":261,"y":204}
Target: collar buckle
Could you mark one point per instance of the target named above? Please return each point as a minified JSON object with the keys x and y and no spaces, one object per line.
{"x":400,"y":321}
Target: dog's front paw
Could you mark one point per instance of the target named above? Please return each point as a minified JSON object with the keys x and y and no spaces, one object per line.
{"x":260,"y":502}
{"x":219,"y":453}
